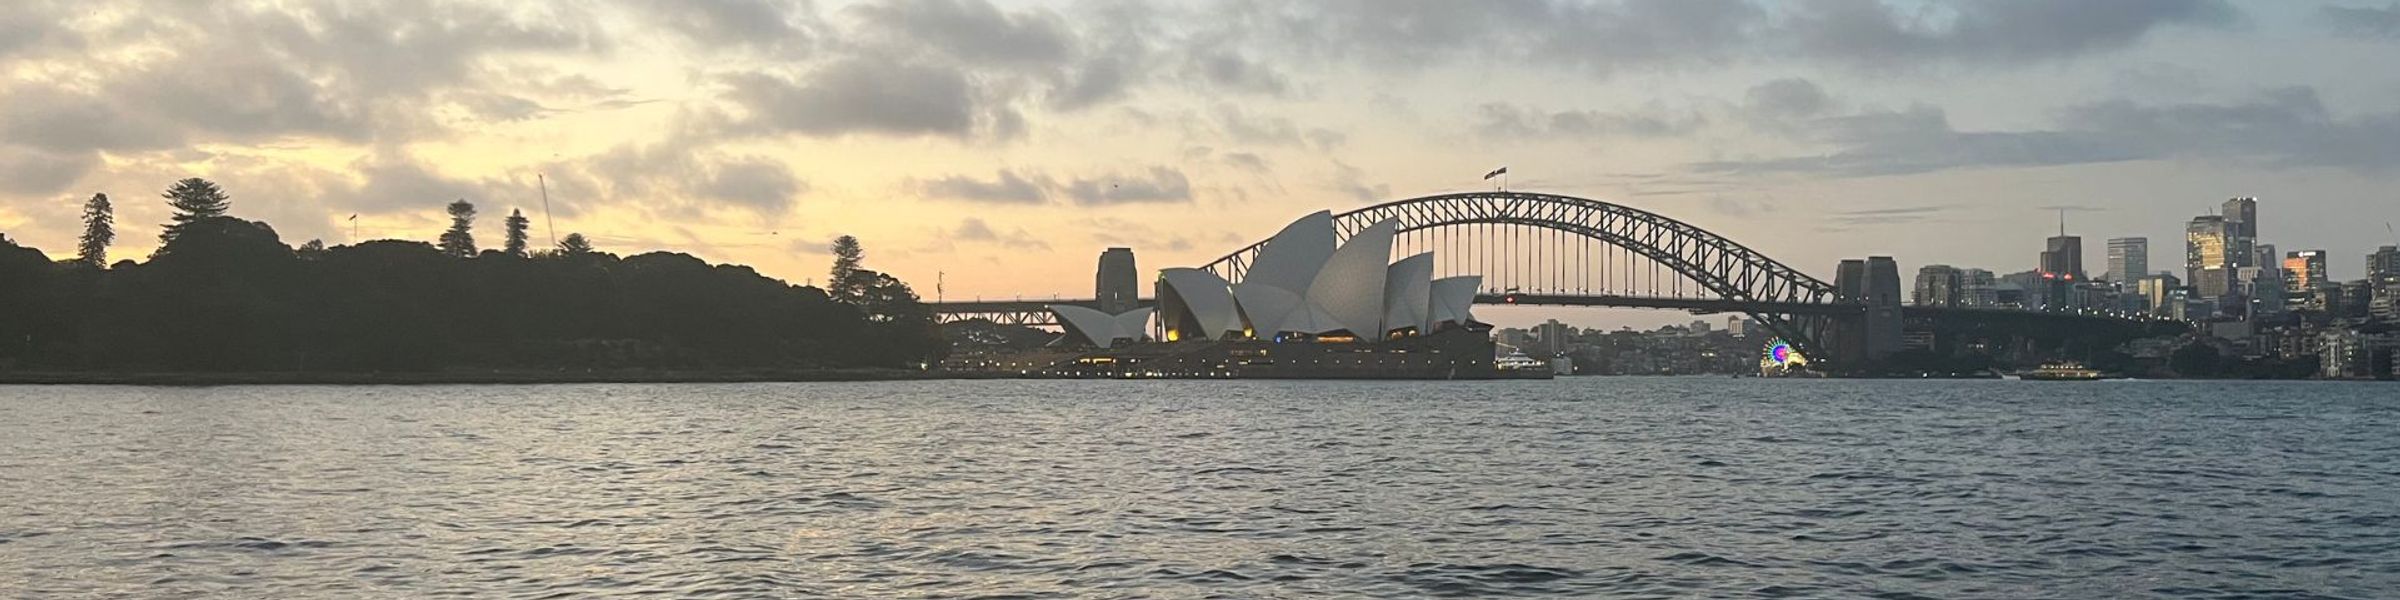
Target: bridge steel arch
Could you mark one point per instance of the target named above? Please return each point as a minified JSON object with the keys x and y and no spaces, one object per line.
{"x":1718,"y":264}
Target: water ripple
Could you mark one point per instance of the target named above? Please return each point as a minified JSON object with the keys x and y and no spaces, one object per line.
{"x":1640,"y":488}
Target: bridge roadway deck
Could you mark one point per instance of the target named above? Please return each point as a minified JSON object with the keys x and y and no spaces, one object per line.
{"x":1036,"y":312}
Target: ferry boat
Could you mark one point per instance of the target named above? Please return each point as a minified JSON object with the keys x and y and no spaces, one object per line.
{"x":2060,"y":371}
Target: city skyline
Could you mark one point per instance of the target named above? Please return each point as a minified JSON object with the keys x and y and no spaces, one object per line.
{"x":949,"y":134}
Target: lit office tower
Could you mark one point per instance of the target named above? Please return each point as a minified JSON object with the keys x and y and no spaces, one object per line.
{"x":1938,"y":285}
{"x":2241,"y":229}
{"x":1118,"y":285}
{"x":2303,"y":271}
{"x":2128,"y":259}
{"x":2205,"y":264}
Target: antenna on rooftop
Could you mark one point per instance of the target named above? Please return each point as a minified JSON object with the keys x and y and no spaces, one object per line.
{"x":547,"y":224}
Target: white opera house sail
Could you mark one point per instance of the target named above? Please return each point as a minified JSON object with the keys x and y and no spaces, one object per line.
{"x":1303,"y":285}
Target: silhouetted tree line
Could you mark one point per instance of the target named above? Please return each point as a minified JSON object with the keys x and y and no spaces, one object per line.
{"x":226,"y":294}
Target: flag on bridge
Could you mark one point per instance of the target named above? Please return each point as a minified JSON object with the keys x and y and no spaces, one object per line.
{"x":1495,"y":173}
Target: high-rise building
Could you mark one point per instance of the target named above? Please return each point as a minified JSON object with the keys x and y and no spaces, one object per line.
{"x":1737,"y":325}
{"x":2267,"y":258}
{"x":2157,"y":291}
{"x":2241,"y":225}
{"x":1938,"y":285}
{"x":2205,"y":242}
{"x":2064,"y":257}
{"x":2385,"y":261}
{"x":1118,"y":283}
{"x":2128,"y":258}
{"x":2303,"y":272}
{"x":1550,"y":339}
{"x":1978,"y":288}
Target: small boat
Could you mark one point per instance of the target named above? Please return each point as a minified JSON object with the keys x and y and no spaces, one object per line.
{"x":2060,"y":371}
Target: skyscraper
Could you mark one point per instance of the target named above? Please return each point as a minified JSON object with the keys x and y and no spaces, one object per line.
{"x":2205,"y":242}
{"x":1938,"y":285}
{"x":2128,"y":259}
{"x":2241,"y":224}
{"x":2303,"y":271}
{"x":1118,"y":283}
{"x":2385,"y":261}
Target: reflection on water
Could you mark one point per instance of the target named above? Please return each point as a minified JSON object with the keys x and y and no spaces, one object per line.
{"x":1574,"y":487}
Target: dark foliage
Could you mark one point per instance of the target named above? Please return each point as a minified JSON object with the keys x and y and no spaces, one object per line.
{"x":515,"y":244}
{"x":228,"y":295}
{"x":99,"y":230}
{"x":458,"y":241}
{"x":193,"y":199}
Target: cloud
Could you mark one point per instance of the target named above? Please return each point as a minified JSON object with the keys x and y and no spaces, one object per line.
{"x":856,"y":95}
{"x":2281,"y":128}
{"x":973,"y":229}
{"x":1616,"y":36}
{"x":1248,"y":162}
{"x":34,"y":172}
{"x":1351,"y":181}
{"x":1510,"y":121}
{"x":774,"y":26}
{"x":2363,"y":21}
{"x":1227,"y":70}
{"x":971,"y":31}
{"x":1788,"y":98}
{"x":1006,"y":187}
{"x":1879,"y":34}
{"x":1157,"y":184}
{"x":1889,"y":216}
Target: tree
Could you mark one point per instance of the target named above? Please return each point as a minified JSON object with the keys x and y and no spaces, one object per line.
{"x":99,"y":230}
{"x":2194,"y":360}
{"x":845,"y":284}
{"x":574,"y":245}
{"x":457,"y":242}
{"x":516,"y":233}
{"x":193,"y":199}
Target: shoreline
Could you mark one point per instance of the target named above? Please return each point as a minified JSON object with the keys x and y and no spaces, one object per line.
{"x":462,"y":377}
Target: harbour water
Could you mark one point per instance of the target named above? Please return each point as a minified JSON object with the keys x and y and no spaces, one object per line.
{"x":1579,"y":487}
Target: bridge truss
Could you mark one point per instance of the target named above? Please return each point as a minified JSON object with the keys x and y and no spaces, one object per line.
{"x":1588,"y":252}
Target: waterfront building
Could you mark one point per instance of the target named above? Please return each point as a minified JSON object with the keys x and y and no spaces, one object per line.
{"x":1938,"y":285}
{"x":1551,"y":339}
{"x":2241,"y":231}
{"x":1512,"y":337}
{"x":2266,"y":293}
{"x":1302,"y":285}
{"x":2214,"y":281}
{"x":1118,"y":283}
{"x":2128,"y":258}
{"x":2344,"y":353}
{"x":1738,"y":326}
{"x":2303,"y":272}
{"x":2357,"y":300}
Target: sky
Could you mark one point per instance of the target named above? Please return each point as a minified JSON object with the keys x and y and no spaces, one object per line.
{"x":1000,"y":146}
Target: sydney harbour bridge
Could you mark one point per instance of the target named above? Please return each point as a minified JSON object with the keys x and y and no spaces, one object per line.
{"x":1545,"y":249}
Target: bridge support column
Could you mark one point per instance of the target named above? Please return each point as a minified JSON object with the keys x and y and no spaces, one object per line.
{"x":1861,"y":340}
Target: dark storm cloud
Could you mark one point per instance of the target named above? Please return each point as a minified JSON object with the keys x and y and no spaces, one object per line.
{"x":760,"y":184}
{"x":1006,"y":187}
{"x":2363,"y":21}
{"x":1156,"y":184}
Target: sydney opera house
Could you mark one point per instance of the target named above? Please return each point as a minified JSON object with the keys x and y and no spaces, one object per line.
{"x":1305,"y":307}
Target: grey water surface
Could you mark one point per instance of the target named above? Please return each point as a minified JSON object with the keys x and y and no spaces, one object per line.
{"x":1593,"y":487}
